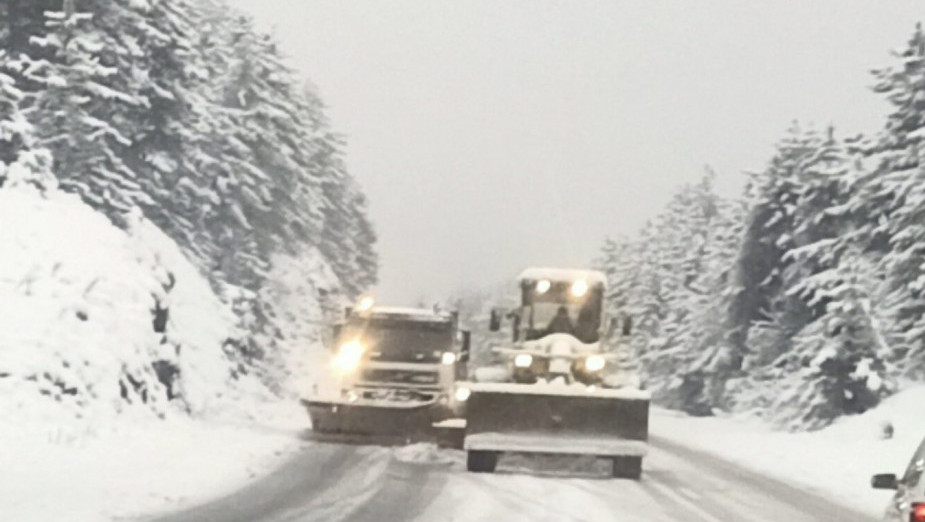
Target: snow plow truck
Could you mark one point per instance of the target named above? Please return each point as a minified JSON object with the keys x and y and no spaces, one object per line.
{"x":392,"y":376}
{"x":567,"y":393}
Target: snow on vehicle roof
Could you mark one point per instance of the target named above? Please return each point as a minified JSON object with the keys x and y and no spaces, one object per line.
{"x":563,"y":275}
{"x":415,"y":314}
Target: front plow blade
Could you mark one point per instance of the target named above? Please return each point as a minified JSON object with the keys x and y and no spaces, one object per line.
{"x":373,"y":423}
{"x":552,"y":419}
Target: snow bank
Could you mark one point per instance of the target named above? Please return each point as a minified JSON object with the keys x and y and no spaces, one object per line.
{"x":129,"y":471}
{"x":118,"y":393}
{"x":306,"y":294}
{"x":837,"y":461}
{"x":95,"y":320}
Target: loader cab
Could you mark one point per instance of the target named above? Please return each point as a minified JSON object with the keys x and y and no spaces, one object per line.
{"x":558,"y":301}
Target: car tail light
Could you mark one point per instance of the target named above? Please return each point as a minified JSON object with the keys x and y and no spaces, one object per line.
{"x":918,"y":512}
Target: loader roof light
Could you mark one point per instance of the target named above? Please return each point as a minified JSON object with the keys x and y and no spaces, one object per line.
{"x":365,"y":304}
{"x":448,"y":358}
{"x":594,"y":363}
{"x":462,"y":394}
{"x":523,"y":360}
{"x":348,"y":356}
{"x":580,"y":288}
{"x":543,"y":286}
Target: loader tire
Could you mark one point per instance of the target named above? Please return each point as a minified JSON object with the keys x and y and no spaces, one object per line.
{"x":627,"y":467}
{"x":481,"y":461}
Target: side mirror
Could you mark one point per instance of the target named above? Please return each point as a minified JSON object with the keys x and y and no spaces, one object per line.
{"x":627,"y":326}
{"x":495,"y":324}
{"x":884,"y":481}
{"x":335,"y":335}
{"x":464,"y":351}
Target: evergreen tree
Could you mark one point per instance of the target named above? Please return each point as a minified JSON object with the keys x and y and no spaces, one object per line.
{"x":890,"y":203}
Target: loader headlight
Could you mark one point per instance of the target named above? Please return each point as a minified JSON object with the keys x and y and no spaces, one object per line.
{"x":543,"y":286}
{"x":580,"y":288}
{"x":523,"y":360}
{"x":448,"y":358}
{"x":594,"y":363}
{"x":462,"y":394}
{"x":348,"y":356}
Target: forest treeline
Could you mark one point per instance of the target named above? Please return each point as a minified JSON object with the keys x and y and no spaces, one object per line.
{"x":183,"y":110}
{"x":804,"y":299}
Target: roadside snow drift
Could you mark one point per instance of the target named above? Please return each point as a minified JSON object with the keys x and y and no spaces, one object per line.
{"x":118,"y":396}
{"x":837,"y":461}
{"x":95,"y":320}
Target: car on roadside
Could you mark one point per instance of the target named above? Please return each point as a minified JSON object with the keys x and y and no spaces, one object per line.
{"x":908,"y":503}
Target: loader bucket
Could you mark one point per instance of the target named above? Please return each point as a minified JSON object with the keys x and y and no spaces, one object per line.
{"x":552,"y":419}
{"x":384,"y":424}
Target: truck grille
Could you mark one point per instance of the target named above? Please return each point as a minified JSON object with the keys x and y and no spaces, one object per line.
{"x":389,"y":376}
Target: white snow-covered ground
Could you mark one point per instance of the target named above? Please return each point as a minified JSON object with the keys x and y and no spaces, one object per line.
{"x":140,"y":467}
{"x":837,"y":461}
{"x":87,"y":433}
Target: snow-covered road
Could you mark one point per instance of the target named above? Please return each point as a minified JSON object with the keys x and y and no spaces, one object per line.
{"x":329,"y":482}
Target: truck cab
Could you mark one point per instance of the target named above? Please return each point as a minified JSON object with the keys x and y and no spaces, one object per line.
{"x":399,"y":354}
{"x":393,"y":372}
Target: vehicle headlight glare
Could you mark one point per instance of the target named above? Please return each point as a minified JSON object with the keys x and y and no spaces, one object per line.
{"x":448,"y":358}
{"x":365,"y":304}
{"x":462,"y":394}
{"x":523,"y":360}
{"x":580,"y":288}
{"x":348,"y":356}
{"x":543,"y":286}
{"x":594,"y":363}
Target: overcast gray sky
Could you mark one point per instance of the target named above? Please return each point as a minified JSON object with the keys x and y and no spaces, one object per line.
{"x":491,"y":135}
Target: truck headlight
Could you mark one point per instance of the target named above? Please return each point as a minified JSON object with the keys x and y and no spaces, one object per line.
{"x":594,"y":363}
{"x":365,"y":304}
{"x":448,"y":358}
{"x":462,"y":394}
{"x":348,"y":356}
{"x":523,"y":360}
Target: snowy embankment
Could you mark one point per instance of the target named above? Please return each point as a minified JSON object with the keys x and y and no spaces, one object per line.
{"x":119,"y":394}
{"x":836,"y":462}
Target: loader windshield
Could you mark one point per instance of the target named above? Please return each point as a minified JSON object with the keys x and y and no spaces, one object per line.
{"x":401,"y":341}
{"x":557,"y":311}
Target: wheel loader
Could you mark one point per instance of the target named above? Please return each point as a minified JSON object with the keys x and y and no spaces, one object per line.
{"x":567,"y":390}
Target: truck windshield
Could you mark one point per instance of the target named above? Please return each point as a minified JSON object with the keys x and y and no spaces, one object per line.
{"x":401,"y":341}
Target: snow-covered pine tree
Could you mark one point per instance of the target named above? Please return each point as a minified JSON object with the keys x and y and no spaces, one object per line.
{"x":670,"y":282}
{"x":890,"y":204}
{"x":834,"y":363}
{"x":20,"y":161}
{"x":347,"y":234}
{"x":835,"y":367}
{"x":761,"y":317}
{"x":83,"y":112}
